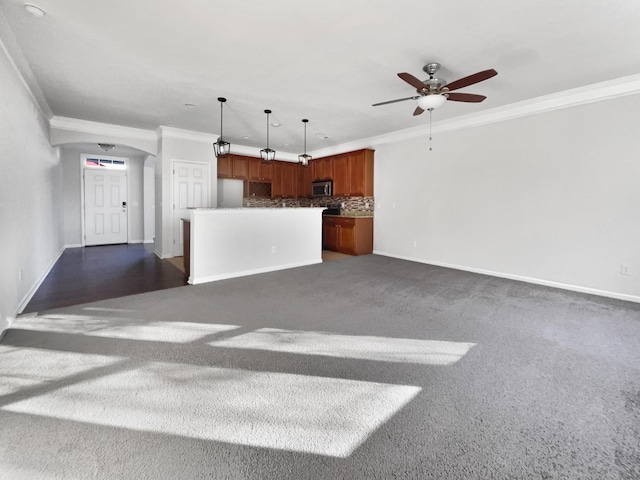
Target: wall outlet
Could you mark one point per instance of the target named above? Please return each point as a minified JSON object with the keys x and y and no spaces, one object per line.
{"x":342,"y":205}
{"x":625,"y":269}
{"x":20,"y":275}
{"x":273,"y":249}
{"x":366,"y":205}
{"x":415,"y":243}
{"x":393,"y":205}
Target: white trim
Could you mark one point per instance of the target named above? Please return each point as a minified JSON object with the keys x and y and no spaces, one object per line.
{"x":39,"y":101}
{"x":520,"y":278}
{"x":619,"y":87}
{"x":73,"y":245}
{"x":104,"y":129}
{"x":224,"y":276}
{"x":171,"y":132}
{"x":255,"y":152}
{"x":161,"y":256}
{"x":27,"y":298}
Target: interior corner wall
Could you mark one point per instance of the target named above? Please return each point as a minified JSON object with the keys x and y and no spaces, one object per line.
{"x":171,"y":149}
{"x":71,"y":179}
{"x":551,"y":198}
{"x":149,"y":198}
{"x":30,"y":194}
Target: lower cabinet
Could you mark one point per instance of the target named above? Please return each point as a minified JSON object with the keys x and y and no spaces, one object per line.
{"x":350,"y":235}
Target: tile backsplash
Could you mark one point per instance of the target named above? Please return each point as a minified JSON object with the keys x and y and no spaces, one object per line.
{"x":348,"y":204}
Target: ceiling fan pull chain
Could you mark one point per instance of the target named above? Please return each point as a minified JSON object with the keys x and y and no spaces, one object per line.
{"x":430,"y":139}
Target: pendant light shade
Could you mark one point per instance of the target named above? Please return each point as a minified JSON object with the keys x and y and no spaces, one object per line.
{"x":267,"y":154}
{"x":221,"y":147}
{"x":304,"y":158}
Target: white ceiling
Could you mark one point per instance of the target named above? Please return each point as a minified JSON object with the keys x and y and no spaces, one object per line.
{"x":138,"y":62}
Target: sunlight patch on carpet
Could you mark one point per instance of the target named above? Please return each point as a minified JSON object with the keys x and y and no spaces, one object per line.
{"x":130,"y":329}
{"x":298,"y":413}
{"x":22,"y":368}
{"x":426,"y":352}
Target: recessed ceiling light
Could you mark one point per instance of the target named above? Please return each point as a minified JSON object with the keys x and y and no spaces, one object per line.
{"x":246,"y":136}
{"x":286,"y":144}
{"x":189,"y":105}
{"x":35,"y":11}
{"x":322,"y":136}
{"x":276,"y":125}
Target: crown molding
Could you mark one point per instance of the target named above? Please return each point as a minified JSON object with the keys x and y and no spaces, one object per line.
{"x":172,"y":132}
{"x":97,"y":128}
{"x":619,"y":87}
{"x":12,"y":51}
{"x":255,"y":152}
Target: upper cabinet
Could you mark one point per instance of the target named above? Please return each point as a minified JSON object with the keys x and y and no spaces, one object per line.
{"x":304,"y":181}
{"x":260,"y":171}
{"x":224,"y":167}
{"x":353,"y":174}
{"x":233,"y":166}
{"x":285,"y":180}
{"x":322,"y":168}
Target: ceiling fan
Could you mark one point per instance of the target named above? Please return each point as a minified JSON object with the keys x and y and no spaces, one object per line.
{"x":433,"y":92}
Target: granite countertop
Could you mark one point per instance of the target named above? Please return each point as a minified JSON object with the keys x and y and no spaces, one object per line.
{"x":353,"y":215}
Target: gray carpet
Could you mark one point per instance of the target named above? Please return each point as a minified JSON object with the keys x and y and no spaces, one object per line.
{"x":366,"y":368}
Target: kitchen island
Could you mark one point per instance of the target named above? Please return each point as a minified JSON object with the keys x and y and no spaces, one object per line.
{"x":234,"y":242}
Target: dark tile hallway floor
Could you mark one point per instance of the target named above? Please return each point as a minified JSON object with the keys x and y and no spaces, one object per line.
{"x":87,"y":274}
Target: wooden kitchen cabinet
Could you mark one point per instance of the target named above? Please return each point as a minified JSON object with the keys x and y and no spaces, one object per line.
{"x":285,"y":180}
{"x":240,"y":167}
{"x":350,"y":235}
{"x":353,"y":174}
{"x":224,"y":167}
{"x":322,"y":168}
{"x":260,"y":171}
{"x":304,"y":181}
{"x":233,"y":166}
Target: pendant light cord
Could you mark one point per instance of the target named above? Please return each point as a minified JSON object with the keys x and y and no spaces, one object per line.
{"x":267,"y":131}
{"x":305,"y":139}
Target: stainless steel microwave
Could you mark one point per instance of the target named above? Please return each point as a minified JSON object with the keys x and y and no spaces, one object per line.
{"x":322,"y":188}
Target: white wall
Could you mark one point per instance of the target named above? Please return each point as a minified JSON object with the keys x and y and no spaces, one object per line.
{"x":31,"y":236}
{"x":227,"y":243}
{"x":149,"y":198}
{"x":230,"y":193}
{"x":71,"y":178}
{"x":552,"y":198}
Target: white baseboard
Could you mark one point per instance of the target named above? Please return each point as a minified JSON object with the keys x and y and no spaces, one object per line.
{"x":224,"y":276}
{"x":136,"y":241}
{"x":73,"y":245}
{"x":25,"y":300}
{"x":161,"y":256}
{"x":521,"y":278}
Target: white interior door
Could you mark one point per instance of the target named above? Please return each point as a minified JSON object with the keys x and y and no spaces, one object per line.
{"x":190,"y":190}
{"x":105,"y":204}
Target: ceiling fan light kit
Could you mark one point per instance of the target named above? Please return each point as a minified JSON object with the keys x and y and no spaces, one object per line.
{"x":221,"y":147}
{"x":267,"y":154}
{"x":434,"y":92}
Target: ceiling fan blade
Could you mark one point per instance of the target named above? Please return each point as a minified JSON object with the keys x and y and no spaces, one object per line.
{"x":413,"y":81}
{"x":465,"y":97}
{"x":418,"y":111}
{"x":397,"y":100}
{"x":471,"y":79}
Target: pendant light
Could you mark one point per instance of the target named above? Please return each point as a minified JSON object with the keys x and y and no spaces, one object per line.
{"x":221,"y":147}
{"x":304,"y":158}
{"x":267,"y":154}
